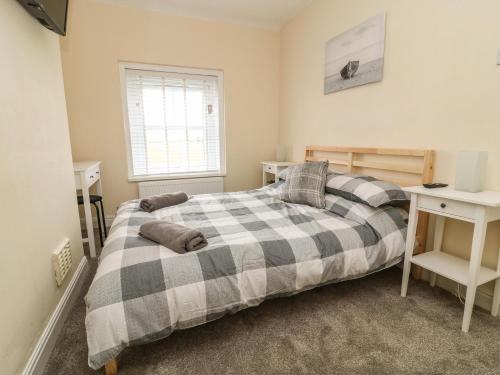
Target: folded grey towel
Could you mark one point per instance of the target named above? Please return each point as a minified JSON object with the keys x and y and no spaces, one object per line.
{"x":174,"y":236}
{"x":156,"y":202}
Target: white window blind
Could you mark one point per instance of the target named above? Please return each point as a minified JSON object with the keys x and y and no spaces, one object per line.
{"x":174,"y":123}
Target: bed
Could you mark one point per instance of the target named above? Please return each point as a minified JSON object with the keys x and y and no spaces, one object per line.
{"x":259,"y":247}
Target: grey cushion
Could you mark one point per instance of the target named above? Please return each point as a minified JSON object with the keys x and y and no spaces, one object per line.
{"x":364,"y":189}
{"x":305,"y":184}
{"x":282,"y":176}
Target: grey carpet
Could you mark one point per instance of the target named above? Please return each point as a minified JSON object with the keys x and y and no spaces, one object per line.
{"x":356,"y":327}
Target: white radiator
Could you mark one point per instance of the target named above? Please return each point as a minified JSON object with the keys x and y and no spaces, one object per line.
{"x":190,"y":186}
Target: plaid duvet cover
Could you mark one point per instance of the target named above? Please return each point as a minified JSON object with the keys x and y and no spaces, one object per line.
{"x":259,"y":247}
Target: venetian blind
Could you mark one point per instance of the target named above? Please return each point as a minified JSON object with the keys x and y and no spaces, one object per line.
{"x":174,"y":124}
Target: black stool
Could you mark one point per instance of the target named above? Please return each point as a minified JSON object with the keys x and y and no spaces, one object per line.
{"x":100,"y":214}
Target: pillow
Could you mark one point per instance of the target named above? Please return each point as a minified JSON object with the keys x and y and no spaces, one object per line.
{"x":284,"y":173}
{"x":364,"y":189}
{"x":305,"y":184}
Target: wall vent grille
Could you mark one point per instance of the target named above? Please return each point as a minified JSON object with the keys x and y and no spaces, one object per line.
{"x":61,"y":260}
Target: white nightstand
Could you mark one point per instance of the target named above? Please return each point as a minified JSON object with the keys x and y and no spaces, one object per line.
{"x":273,"y":167}
{"x":477,"y":208}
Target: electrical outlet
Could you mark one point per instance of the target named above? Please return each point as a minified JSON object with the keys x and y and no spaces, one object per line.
{"x":498,"y":56}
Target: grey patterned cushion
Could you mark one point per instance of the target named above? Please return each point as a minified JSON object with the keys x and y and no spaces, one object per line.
{"x":364,"y":189}
{"x":305,"y":184}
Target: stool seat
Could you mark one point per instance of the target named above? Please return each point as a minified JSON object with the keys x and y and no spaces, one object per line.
{"x":93,"y":198}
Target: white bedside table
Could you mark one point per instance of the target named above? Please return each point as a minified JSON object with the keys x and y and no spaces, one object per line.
{"x":477,"y":208}
{"x":273,"y":167}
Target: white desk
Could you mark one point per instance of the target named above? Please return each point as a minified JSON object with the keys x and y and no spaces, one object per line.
{"x":477,"y":208}
{"x":87,"y":173}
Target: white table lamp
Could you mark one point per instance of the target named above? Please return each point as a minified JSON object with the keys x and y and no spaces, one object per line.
{"x":280,"y":152}
{"x":471,"y":171}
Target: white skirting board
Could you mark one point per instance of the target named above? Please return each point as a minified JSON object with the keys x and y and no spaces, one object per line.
{"x":43,"y":348}
{"x":483,"y":299}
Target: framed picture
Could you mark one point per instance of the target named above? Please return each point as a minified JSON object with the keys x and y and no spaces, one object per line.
{"x":356,"y":57}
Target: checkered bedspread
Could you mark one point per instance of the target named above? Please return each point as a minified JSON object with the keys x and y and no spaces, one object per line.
{"x":258,"y":247}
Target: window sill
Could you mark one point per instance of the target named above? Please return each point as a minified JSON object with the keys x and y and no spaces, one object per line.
{"x":182,"y":176}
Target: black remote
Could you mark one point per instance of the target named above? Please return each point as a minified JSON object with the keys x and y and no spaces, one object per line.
{"x":435,"y":185}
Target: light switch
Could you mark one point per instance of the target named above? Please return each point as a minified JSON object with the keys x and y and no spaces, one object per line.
{"x":498,"y":56}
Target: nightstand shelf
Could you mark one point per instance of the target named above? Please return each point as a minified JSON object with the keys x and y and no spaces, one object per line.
{"x":452,"y":267}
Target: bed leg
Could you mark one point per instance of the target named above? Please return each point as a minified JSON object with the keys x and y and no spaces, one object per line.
{"x":111,"y":367}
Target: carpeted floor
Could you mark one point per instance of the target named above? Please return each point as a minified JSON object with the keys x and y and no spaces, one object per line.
{"x":356,"y":327}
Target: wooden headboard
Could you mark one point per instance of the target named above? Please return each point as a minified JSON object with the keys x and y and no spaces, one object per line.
{"x":405,"y":167}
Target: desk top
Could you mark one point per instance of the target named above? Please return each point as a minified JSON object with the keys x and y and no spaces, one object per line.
{"x":80,"y":166}
{"x":484,"y":198}
{"x":278,"y":163}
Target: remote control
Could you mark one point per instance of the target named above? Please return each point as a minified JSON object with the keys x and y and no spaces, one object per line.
{"x":435,"y":185}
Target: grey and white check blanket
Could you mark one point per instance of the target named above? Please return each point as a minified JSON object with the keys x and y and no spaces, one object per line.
{"x":259,"y":247}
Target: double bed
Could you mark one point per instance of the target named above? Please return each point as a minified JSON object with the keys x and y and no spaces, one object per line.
{"x":259,"y":248}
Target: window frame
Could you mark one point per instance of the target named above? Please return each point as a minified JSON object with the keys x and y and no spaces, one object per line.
{"x":123,"y":66}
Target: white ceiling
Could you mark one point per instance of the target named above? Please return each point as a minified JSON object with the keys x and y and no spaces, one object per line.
{"x":262,"y":13}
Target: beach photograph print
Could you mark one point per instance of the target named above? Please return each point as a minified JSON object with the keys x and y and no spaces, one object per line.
{"x":356,"y":57}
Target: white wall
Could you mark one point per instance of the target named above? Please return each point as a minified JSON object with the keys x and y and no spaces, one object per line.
{"x":102,"y":34}
{"x":441,"y":88}
{"x":37,"y":193}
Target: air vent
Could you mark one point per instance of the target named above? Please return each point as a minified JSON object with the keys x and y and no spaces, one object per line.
{"x":61,"y":260}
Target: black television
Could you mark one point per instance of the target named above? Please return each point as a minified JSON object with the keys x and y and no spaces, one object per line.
{"x":50,"y":13}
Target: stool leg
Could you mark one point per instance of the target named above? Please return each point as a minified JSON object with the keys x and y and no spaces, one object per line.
{"x":98,"y":222}
{"x":103,"y":220}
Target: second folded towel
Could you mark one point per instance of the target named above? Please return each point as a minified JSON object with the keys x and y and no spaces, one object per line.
{"x":156,"y":202}
{"x":174,"y":236}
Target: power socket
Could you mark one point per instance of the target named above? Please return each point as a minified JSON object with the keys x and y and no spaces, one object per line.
{"x":498,"y":56}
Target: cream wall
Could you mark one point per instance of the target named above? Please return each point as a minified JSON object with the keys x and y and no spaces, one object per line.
{"x":37,"y":188}
{"x":441,"y":87}
{"x":100,"y":35}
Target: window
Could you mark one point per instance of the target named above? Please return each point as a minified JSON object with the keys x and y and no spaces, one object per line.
{"x":174,"y":122}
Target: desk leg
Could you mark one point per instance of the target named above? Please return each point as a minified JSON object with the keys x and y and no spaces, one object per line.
{"x":410,"y":243}
{"x":496,"y":299}
{"x":496,"y":294}
{"x":438,"y":241}
{"x":474,"y":266}
{"x":99,"y":192}
{"x":88,"y":216}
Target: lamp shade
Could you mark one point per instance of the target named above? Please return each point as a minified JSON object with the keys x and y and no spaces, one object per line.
{"x":471,"y":171}
{"x":280,"y":152}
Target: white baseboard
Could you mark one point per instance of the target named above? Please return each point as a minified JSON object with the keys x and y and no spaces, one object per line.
{"x":43,"y":348}
{"x":109,"y":220}
{"x":483,"y":298}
